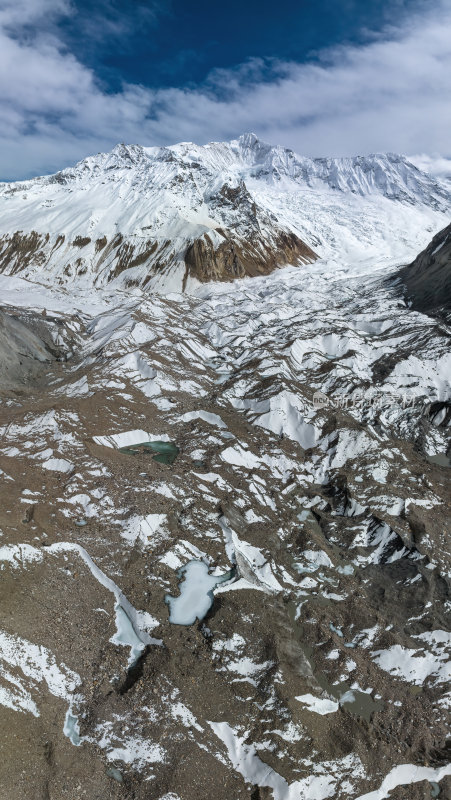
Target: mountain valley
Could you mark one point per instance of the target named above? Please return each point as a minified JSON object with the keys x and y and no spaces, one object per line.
{"x":219,"y":364}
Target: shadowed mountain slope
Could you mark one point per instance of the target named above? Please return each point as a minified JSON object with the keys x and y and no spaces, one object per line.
{"x":428,"y":278}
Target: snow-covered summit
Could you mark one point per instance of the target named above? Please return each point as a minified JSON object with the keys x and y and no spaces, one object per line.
{"x":248,"y":157}
{"x":388,"y":174}
{"x":170,"y":216}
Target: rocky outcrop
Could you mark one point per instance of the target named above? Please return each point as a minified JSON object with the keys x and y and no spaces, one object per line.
{"x":240,"y":259}
{"x":19,"y":250}
{"x":24,"y":351}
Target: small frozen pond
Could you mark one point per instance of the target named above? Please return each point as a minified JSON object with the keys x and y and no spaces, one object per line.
{"x":196,"y":593}
{"x":164,"y":452}
{"x":71,"y":728}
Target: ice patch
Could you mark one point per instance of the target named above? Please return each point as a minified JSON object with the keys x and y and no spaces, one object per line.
{"x":404,"y":775}
{"x":319,"y":705}
{"x":58,"y":465}
{"x":142,"y":529}
{"x":133,"y":750}
{"x":19,"y":554}
{"x":129,"y":438}
{"x":239,"y":457}
{"x":207,"y":416}
{"x":412,"y":666}
{"x":286,"y":415}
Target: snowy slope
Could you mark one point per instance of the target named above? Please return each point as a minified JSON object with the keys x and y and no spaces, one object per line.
{"x":132,"y":215}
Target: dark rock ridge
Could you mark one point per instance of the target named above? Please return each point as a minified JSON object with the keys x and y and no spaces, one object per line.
{"x":428,"y":279}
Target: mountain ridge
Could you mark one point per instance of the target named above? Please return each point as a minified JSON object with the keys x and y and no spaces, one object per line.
{"x":251,"y":151}
{"x":133,"y":214}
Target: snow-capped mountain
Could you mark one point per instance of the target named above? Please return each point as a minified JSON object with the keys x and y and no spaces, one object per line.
{"x":171,"y":217}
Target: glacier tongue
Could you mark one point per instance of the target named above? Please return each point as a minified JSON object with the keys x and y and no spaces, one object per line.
{"x":307,"y":407}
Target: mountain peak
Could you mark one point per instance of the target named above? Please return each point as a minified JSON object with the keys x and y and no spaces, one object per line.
{"x":251,"y":140}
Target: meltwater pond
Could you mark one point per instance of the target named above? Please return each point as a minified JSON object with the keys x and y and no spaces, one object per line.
{"x":196,"y":593}
{"x":164,"y":452}
{"x":440,"y":459}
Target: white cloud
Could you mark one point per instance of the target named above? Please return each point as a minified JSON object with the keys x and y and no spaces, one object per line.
{"x":16,"y":14}
{"x":392,"y":94}
{"x":435,"y":164}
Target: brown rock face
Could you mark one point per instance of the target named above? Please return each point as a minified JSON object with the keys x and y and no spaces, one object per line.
{"x":246,"y":254}
{"x":239,"y":259}
{"x":256,"y":245}
{"x":19,"y":251}
{"x":428,"y":278}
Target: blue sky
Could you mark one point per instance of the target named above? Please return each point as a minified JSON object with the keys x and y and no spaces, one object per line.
{"x":179,"y":43}
{"x":325,"y":77}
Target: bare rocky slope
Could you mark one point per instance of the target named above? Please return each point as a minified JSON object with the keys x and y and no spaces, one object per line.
{"x":26,"y":349}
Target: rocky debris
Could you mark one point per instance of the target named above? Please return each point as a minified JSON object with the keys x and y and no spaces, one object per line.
{"x":26,"y":350}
